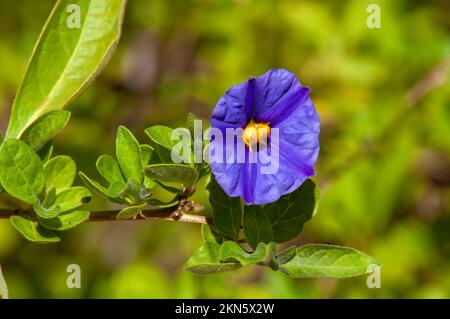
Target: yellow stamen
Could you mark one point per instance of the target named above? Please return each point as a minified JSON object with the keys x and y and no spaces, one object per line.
{"x":255,"y":133}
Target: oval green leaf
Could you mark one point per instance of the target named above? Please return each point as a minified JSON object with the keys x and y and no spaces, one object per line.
{"x":59,"y":172}
{"x":21,"y":171}
{"x":57,"y":73}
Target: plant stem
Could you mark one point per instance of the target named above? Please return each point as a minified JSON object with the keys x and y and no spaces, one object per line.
{"x":173,"y":213}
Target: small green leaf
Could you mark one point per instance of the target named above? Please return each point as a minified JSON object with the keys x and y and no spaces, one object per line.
{"x":59,"y":172}
{"x":101,"y":190}
{"x":190,"y":123}
{"x":3,"y":287}
{"x":161,"y":138}
{"x":257,"y":227}
{"x":66,"y":221}
{"x":44,"y":212}
{"x":45,"y":128}
{"x":148,"y":157}
{"x":227,"y":211}
{"x":65,"y":60}
{"x":129,"y":212}
{"x":21,"y":171}
{"x":327,"y":261}
{"x":173,"y":173}
{"x":206,"y":261}
{"x":32,"y":231}
{"x":231,"y":251}
{"x":108,"y":167}
{"x":129,"y":155}
{"x":72,"y":198}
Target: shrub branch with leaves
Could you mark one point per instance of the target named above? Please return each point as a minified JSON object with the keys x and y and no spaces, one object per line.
{"x":47,"y":203}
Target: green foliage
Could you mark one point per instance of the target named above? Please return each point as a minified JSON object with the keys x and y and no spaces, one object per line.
{"x":21,"y":171}
{"x":45,"y":128}
{"x":227,"y":211}
{"x":65,"y":221}
{"x":173,"y":173}
{"x":32,"y":230}
{"x":327,"y":261}
{"x":129,"y":155}
{"x":47,"y":88}
{"x":59,"y":173}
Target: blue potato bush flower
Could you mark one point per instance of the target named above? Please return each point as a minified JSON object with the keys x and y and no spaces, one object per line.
{"x":275,"y":101}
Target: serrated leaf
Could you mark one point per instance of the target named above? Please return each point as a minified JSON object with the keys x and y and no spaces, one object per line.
{"x":227,"y":211}
{"x":257,"y":227}
{"x":66,"y":221}
{"x":129,"y":212}
{"x":45,"y":128}
{"x":32,"y":231}
{"x":129,"y":155}
{"x":327,"y":261}
{"x":21,"y":171}
{"x":3,"y":287}
{"x":231,"y":251}
{"x":108,"y":167}
{"x":72,"y":198}
{"x":57,"y":73}
{"x":173,"y":173}
{"x":59,"y":172}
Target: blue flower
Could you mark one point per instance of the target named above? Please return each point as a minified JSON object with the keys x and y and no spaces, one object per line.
{"x":275,"y":102}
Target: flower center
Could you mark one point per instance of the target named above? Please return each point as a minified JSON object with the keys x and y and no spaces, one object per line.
{"x":254,"y":133}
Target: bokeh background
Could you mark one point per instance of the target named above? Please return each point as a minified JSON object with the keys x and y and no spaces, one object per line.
{"x":384,"y":168}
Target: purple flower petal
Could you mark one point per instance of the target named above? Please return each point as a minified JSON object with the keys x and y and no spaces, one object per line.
{"x":277,"y":98}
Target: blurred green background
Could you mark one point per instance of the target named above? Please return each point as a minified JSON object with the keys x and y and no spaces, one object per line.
{"x":384,"y":168}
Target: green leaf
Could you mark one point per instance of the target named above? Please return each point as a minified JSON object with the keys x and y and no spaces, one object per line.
{"x":290,"y":212}
{"x":45,"y":209}
{"x":57,"y":73}
{"x":257,"y":227}
{"x":282,"y":220}
{"x":129,"y":155}
{"x":72,"y":198}
{"x":231,"y":251}
{"x":286,"y":255}
{"x":66,"y":221}
{"x":59,"y":172}
{"x":101,"y":190}
{"x":45,"y":128}
{"x":3,"y":287}
{"x":156,"y":202}
{"x":206,"y":260}
{"x":32,"y":231}
{"x":327,"y":261}
{"x":161,"y":138}
{"x":45,"y":153}
{"x":190,"y":121}
{"x":148,"y":157}
{"x":129,"y":212}
{"x":108,"y":167}
{"x":227,"y":211}
{"x":173,"y":173}
{"x":21,"y":171}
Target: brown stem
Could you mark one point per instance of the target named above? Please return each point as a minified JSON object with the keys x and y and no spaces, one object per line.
{"x":173,"y":213}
